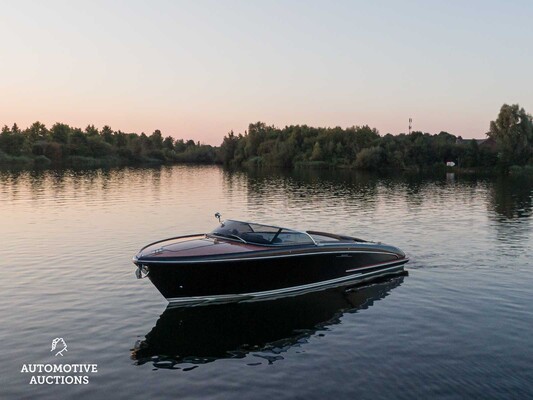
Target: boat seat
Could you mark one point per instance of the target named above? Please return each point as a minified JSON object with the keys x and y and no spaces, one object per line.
{"x":254,"y":238}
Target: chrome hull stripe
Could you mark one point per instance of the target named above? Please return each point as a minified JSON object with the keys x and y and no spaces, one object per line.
{"x":401,"y":260}
{"x":294,"y":290}
{"x":136,"y":260}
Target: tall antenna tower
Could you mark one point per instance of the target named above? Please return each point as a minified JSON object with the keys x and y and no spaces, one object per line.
{"x":410,"y":124}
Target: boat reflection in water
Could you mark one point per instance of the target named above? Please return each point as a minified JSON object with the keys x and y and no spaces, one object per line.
{"x":206,"y":333}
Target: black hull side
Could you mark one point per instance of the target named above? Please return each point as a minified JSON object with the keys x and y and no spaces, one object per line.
{"x":266,"y":278}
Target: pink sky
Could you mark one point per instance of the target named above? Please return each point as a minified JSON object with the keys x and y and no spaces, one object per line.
{"x":199,"y":70}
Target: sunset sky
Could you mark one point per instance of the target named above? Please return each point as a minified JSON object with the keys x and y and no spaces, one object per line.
{"x":199,"y":69}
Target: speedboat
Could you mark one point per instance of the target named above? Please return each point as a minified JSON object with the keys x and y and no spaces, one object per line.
{"x":246,"y":261}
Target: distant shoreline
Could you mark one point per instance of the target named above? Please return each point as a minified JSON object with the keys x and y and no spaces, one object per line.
{"x":32,"y":164}
{"x":508,"y":148}
{"x":38,"y":162}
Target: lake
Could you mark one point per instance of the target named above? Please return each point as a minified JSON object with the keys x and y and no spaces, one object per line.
{"x":458,"y":326}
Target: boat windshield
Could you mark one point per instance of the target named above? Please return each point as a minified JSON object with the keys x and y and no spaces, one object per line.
{"x":261,"y":234}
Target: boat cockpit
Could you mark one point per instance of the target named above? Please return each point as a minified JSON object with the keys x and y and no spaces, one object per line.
{"x":253,"y":233}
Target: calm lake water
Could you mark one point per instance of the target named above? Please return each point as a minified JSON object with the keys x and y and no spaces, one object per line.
{"x":459,"y":326}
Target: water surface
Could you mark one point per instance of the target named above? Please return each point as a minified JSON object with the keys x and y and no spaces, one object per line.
{"x":458,"y":326}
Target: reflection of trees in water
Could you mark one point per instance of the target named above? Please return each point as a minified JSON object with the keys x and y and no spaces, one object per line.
{"x":9,"y":184}
{"x":71,"y":182}
{"x":511,"y":198}
{"x":511,"y":201}
{"x":348,"y":192}
{"x":270,"y":191}
{"x":265,"y":329}
{"x":419,"y":191}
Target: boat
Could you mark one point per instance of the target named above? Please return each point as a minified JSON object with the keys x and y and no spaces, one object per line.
{"x":247,"y":261}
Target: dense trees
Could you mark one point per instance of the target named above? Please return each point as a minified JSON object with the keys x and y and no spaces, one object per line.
{"x":513,"y":132}
{"x":510,"y":144}
{"x":65,"y":145}
{"x":360,"y":147}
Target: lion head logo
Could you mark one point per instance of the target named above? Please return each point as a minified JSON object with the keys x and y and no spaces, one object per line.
{"x":62,"y":343}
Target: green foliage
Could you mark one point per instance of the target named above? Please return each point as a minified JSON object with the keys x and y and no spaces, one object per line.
{"x":60,"y":132}
{"x":17,"y":161}
{"x":369,"y":158}
{"x":228,"y":149}
{"x":36,"y":132}
{"x":65,"y":145}
{"x":511,"y":138}
{"x":513,"y":132}
{"x":168,"y":143}
{"x":357,"y":146}
{"x":91,"y":130}
{"x":317,"y":155}
{"x":41,"y":161}
{"x":12,"y":140}
{"x":510,"y":143}
{"x":107,"y":134}
{"x":157,"y":139}
{"x":198,"y":154}
{"x":295,"y":145}
{"x":54,"y":151}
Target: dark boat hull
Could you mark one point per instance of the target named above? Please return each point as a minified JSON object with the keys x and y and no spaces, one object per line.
{"x":228,"y":280}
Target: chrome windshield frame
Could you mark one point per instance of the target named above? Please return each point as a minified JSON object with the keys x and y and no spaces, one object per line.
{"x":270,"y":226}
{"x":230,"y":237}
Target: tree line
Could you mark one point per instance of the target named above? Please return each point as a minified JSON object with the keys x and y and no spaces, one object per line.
{"x":359,"y":147}
{"x":509,"y":144}
{"x":66,"y":145}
